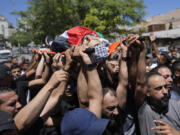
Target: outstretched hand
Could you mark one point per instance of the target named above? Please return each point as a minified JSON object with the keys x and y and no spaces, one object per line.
{"x":165,"y":129}
{"x":152,"y":37}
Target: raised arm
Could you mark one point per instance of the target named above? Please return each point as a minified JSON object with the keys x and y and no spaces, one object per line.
{"x":140,"y":89}
{"x":82,"y":89}
{"x":30,"y":113}
{"x":40,"y":68}
{"x":35,"y":60}
{"x":45,"y":74}
{"x":121,"y":90}
{"x":55,"y":97}
{"x":132,"y":61}
{"x":94,"y":85}
{"x":152,"y":39}
{"x":57,"y":94}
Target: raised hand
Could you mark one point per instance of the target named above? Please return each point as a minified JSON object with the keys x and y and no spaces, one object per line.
{"x":57,"y":77}
{"x":165,"y":129}
{"x":69,"y":59}
{"x":57,"y":61}
{"x":131,"y":39}
{"x":86,"y":59}
{"x":152,"y":37}
{"x":47,"y":58}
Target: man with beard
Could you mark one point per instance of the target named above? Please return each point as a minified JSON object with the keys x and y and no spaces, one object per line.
{"x":172,"y":84}
{"x":158,"y":114}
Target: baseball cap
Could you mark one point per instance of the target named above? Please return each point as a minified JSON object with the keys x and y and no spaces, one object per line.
{"x":82,"y":122}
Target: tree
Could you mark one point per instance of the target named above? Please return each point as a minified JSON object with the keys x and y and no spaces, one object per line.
{"x":53,"y":17}
{"x":22,"y":37}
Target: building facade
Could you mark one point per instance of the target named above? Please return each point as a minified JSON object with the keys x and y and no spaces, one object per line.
{"x":6,"y":29}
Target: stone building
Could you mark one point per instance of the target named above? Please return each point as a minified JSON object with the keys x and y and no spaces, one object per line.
{"x":6,"y":29}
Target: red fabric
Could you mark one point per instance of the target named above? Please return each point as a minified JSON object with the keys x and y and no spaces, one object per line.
{"x":113,"y":47}
{"x":77,"y":33}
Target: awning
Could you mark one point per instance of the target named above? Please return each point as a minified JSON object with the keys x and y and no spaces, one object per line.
{"x":174,"y":33}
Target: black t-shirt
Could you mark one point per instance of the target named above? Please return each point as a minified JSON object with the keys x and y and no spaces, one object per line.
{"x":22,"y":87}
{"x":35,"y":128}
{"x":16,"y":80}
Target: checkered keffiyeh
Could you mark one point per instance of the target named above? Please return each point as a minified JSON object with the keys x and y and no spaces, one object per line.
{"x":101,"y":52}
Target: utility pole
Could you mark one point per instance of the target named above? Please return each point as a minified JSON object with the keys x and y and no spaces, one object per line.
{"x":14,"y":8}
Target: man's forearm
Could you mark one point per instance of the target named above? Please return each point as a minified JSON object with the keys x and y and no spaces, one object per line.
{"x":140,"y":90}
{"x":82,"y":89}
{"x":132,"y":65}
{"x":156,"y":49}
{"x":30,"y":113}
{"x":122,"y":84}
{"x":40,"y":68}
{"x":46,"y":73}
{"x":54,"y":99}
{"x":94,"y":92}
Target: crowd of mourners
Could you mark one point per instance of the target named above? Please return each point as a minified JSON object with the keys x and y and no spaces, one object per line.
{"x":92,"y":88}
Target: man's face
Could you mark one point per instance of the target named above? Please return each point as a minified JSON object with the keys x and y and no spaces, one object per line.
{"x":167,"y":74}
{"x":16,"y":72}
{"x":15,"y":61}
{"x":177,"y":75}
{"x":10,"y":102}
{"x":158,"y":92}
{"x":9,"y":59}
{"x":25,"y":67}
{"x":113,"y":66}
{"x":68,"y":91}
{"x":174,"y":54}
{"x":110,"y":106}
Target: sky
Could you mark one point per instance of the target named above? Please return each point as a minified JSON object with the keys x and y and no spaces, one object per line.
{"x":153,"y":7}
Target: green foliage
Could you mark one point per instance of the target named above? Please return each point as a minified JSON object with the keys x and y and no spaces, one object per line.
{"x":22,"y":37}
{"x":1,"y":37}
{"x":52,"y":17}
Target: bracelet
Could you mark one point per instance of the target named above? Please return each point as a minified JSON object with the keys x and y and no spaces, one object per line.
{"x":90,"y":67}
{"x":124,"y":58}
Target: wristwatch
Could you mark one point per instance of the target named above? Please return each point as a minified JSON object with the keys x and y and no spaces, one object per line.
{"x":124,"y":58}
{"x":90,"y":67}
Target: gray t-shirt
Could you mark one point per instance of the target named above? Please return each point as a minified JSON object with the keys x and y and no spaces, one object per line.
{"x":147,"y":116}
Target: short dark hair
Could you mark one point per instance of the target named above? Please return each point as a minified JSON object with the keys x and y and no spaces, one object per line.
{"x":149,"y":75}
{"x":176,"y":66}
{"x":4,"y":90}
{"x":15,"y":66}
{"x":113,"y":56}
{"x":10,"y":57}
{"x":159,"y":67}
{"x":108,"y":89}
